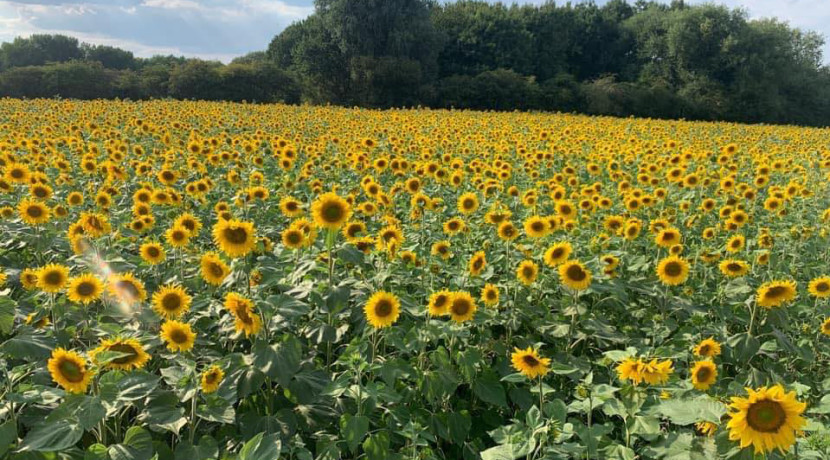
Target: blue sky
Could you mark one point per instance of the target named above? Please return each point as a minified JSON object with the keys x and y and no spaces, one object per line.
{"x":223,"y":29}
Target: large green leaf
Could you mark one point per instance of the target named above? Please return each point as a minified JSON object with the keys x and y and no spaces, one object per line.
{"x":137,"y":445}
{"x":353,"y":429}
{"x":53,"y":436}
{"x":261,"y":447}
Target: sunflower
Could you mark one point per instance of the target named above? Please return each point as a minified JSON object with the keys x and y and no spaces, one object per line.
{"x":152,"y":253}
{"x":529,"y":363}
{"x":454,"y":226}
{"x":213,"y":269}
{"x":353,"y":229}
{"x":477,"y":263}
{"x":632,"y":230}
{"x":673,"y":270}
{"x":330,"y":211}
{"x":293,"y":238}
{"x":190,"y":223}
{"x":656,"y":372}
{"x":507,"y":231}
{"x":820,"y":287}
{"x":769,"y":418}
{"x":706,"y":428}
{"x":131,"y":354}
{"x":735,"y":243}
{"x":462,"y":307}
{"x":127,"y":288}
{"x":733,"y":268}
{"x":177,"y":335}
{"x":95,"y":225}
{"x":468,"y":203}
{"x":439,"y":303}
{"x":382,"y":309}
{"x":775,"y":293}
{"x":536,"y":227}
{"x":234,"y":237}
{"x":558,"y":254}
{"x":33,"y":212}
{"x":171,"y":301}
{"x":707,"y":348}
{"x":291,"y":207}
{"x":242,"y":309}
{"x":630,"y":369}
{"x":668,"y":237}
{"x":28,"y":278}
{"x":825,"y":327}
{"x":211,"y":379}
{"x":52,"y":278}
{"x":68,"y":369}
{"x":177,"y":237}
{"x":85,"y":288}
{"x":490,"y":295}
{"x":704,"y":373}
{"x":17,"y":173}
{"x":527,"y":272}
{"x":441,"y":249}
{"x":574,"y":275}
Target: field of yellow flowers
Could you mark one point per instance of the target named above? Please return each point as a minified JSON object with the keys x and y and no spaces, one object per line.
{"x":193,"y":280}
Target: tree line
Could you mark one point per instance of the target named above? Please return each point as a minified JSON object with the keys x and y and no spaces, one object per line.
{"x":645,"y":58}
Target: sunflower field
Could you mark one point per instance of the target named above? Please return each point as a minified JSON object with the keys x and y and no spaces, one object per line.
{"x":200,"y":280}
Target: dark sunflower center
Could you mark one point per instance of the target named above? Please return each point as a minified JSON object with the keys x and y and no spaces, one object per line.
{"x":822,"y":287}
{"x":733,"y":267}
{"x":460,"y":307}
{"x":490,"y":294}
{"x":211,"y":378}
{"x":85,"y":288}
{"x":468,"y":203}
{"x":440,"y":301}
{"x":127,"y":350}
{"x":236,"y":235}
{"x":171,"y":302}
{"x":766,"y":416}
{"x":383,"y":308}
{"x":294,"y":237}
{"x":153,"y":251}
{"x":703,"y":374}
{"x":576,"y":273}
{"x":528,"y":272}
{"x":537,"y":226}
{"x":53,"y":278}
{"x":242,"y":314}
{"x":216,"y":269}
{"x":189,"y":224}
{"x":128,"y":287}
{"x":178,"y":336}
{"x":70,"y":370}
{"x":17,"y":173}
{"x":332,"y":212}
{"x":477,"y":263}
{"x":776,"y":292}
{"x":34,"y":211}
{"x":705,"y":349}
{"x":557,"y":253}
{"x":673,"y":269}
{"x":530,"y":361}
{"x":40,"y":192}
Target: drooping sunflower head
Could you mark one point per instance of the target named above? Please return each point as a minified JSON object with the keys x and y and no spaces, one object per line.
{"x":69,"y":370}
{"x":382,"y":309}
{"x":673,"y":270}
{"x":574,"y":275}
{"x":462,"y":306}
{"x":768,"y":418}
{"x":776,"y":293}
{"x":529,"y":363}
{"x":441,"y":249}
{"x":177,"y":335}
{"x":704,"y":373}
{"x":234,"y":237}
{"x":52,"y":278}
{"x":330,"y":211}
{"x":825,"y":327}
{"x":120,"y":353}
{"x":85,"y":288}
{"x":171,"y":301}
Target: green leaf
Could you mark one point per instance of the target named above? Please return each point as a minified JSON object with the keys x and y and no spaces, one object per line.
{"x":509,"y":451}
{"x":216,"y":409}
{"x":7,"y":307}
{"x":137,"y":445}
{"x":376,"y":446}
{"x":489,"y":390}
{"x":8,"y":436}
{"x":645,"y":425}
{"x":261,"y":447}
{"x":689,"y":411}
{"x":459,"y":424}
{"x":53,"y":436}
{"x":87,"y":409}
{"x":353,"y":429}
{"x":207,"y":449}
{"x":618,"y":452}
{"x":162,"y":411}
{"x":289,"y":353}
{"x":743,"y":346}
{"x":96,"y":452}
{"x":26,"y":345}
{"x":118,"y":386}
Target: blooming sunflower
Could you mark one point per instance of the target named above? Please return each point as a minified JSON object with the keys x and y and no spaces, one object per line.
{"x":177,"y":335}
{"x":211,"y":379}
{"x":536,"y":227}
{"x":733,"y":268}
{"x":735,"y":243}
{"x":558,"y":254}
{"x":775,"y":293}
{"x":52,"y":278}
{"x":28,"y":278}
{"x":171,"y":301}
{"x":330,"y":211}
{"x":574,"y":275}
{"x":462,"y":307}
{"x":68,"y":369}
{"x":213,"y":269}
{"x":673,"y":270}
{"x":477,"y":263}
{"x":529,"y":363}
{"x":127,"y":288}
{"x":293,"y":238}
{"x":382,"y":309}
{"x":707,"y":348}
{"x":439,"y":303}
{"x":527,"y":272}
{"x":630,"y":369}
{"x":33,"y":212}
{"x":825,"y":327}
{"x":177,"y":237}
{"x":190,"y":223}
{"x":85,"y":288}
{"x":704,"y":373}
{"x":291,"y":207}
{"x":129,"y":354}
{"x":768,"y":418}
{"x":820,"y":287}
{"x":507,"y":231}
{"x":234,"y":237}
{"x":468,"y":203}
{"x":668,"y":237}
{"x":246,"y":319}
{"x":490,"y":295}
{"x":152,"y":253}
{"x":656,"y":372}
